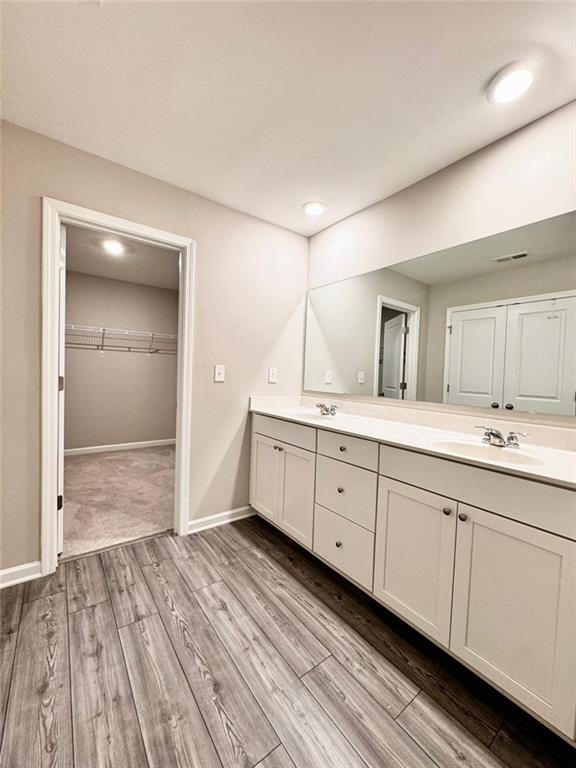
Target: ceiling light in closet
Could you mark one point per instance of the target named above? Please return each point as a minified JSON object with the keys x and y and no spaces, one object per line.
{"x":113,"y":247}
{"x":314,"y":208}
{"x":510,"y":83}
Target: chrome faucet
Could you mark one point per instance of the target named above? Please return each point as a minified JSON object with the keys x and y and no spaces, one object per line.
{"x":326,"y":410}
{"x":492,"y":436}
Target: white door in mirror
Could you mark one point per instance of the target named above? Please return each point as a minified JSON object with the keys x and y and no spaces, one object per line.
{"x":517,"y":357}
{"x":541,"y":357}
{"x":476,"y":349}
{"x":394,"y":342}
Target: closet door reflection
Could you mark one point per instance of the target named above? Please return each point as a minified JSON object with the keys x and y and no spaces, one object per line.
{"x":518,"y":356}
{"x":475,"y":357}
{"x":541,"y":357}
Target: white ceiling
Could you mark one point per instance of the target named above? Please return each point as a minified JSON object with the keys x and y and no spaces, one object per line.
{"x":545,"y":240}
{"x":141,"y":263}
{"x":262,"y":106}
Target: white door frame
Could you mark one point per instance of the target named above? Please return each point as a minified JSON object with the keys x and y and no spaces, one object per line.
{"x":55,"y":213}
{"x":412,"y":347}
{"x":486,"y":305}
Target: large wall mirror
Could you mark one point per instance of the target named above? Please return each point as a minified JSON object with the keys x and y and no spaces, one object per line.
{"x":491,"y":323}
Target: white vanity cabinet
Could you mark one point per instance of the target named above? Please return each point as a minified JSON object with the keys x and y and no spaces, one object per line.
{"x":514,"y":611}
{"x":282,"y":480}
{"x":414,"y":561}
{"x":482,"y":562}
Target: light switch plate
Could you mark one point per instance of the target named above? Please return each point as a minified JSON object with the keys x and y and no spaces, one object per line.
{"x":328,"y":377}
{"x":219,"y":373}
{"x":272,"y":375}
{"x":361,"y":377}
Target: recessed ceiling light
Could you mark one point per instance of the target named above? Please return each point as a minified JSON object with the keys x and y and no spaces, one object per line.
{"x":113,"y":247}
{"x":510,"y":83}
{"x":314,"y":208}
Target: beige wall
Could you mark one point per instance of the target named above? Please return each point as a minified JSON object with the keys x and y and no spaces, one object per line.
{"x":547,"y":277}
{"x":525,"y":177}
{"x":119,"y":397}
{"x":250,"y":281}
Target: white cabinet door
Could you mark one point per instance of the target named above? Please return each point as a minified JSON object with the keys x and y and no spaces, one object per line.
{"x":541,"y":357}
{"x":265,"y":476}
{"x":296,"y":506}
{"x":476,"y":347}
{"x":514,"y":617}
{"x":414,"y":562}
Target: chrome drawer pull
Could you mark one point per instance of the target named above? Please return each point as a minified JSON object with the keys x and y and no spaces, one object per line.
{"x":462,"y":517}
{"x":342,"y":448}
{"x":447,"y":511}
{"x":340,"y":490}
{"x":338,"y":544}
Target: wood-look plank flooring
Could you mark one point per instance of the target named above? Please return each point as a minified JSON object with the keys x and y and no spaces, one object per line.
{"x":235,"y":648}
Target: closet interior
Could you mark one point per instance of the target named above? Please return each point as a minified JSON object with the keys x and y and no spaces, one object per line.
{"x":121,"y":350}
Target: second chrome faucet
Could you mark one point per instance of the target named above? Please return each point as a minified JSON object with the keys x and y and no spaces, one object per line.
{"x":326,"y":410}
{"x":493,"y":436}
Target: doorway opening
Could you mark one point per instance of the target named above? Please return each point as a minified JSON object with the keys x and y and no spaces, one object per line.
{"x":117,"y":344}
{"x":120,"y":364}
{"x":396,"y":354}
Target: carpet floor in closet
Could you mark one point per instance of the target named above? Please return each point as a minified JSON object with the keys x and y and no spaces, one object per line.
{"x":234,"y":648}
{"x":118,"y":496}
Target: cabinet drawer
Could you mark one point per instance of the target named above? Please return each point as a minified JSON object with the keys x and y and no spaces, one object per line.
{"x":287,"y":431}
{"x":345,"y":545}
{"x":354,"y":450}
{"x":349,"y":491}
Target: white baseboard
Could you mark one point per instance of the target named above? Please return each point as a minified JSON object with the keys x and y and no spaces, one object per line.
{"x":118,"y":447}
{"x":221,"y":518}
{"x":20,"y":573}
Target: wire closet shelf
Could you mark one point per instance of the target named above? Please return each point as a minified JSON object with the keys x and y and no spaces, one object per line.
{"x":118,"y":340}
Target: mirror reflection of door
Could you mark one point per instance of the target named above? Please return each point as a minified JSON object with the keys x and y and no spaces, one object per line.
{"x":393,"y":354}
{"x":476,"y":342}
{"x":520,"y":355}
{"x":541,"y":357}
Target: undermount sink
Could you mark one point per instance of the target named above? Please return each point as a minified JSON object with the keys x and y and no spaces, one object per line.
{"x":488,"y":452}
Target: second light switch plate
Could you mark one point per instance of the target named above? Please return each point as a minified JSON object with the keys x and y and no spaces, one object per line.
{"x":219,"y":373}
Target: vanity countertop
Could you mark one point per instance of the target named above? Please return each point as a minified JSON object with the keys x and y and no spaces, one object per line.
{"x":548,"y":465}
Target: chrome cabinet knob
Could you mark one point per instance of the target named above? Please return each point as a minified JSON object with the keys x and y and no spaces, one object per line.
{"x":280,"y":448}
{"x":495,"y":405}
{"x":509,"y":407}
{"x":338,"y":544}
{"x":447,"y":511}
{"x":340,"y":490}
{"x":462,"y":517}
{"x":342,"y":448}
